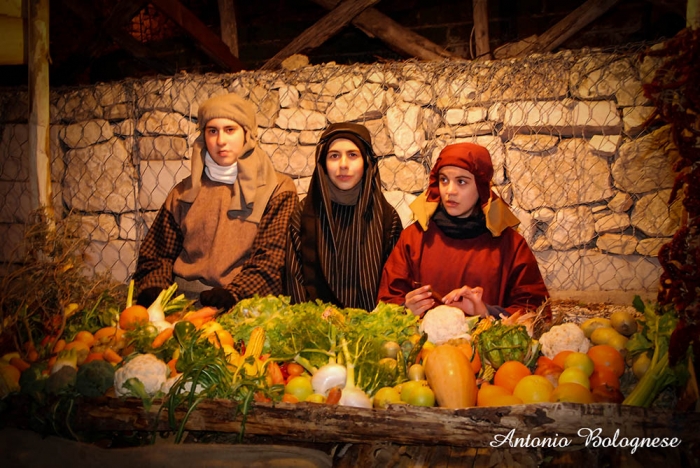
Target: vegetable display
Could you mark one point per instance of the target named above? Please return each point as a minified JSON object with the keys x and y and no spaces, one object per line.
{"x":268,"y":350}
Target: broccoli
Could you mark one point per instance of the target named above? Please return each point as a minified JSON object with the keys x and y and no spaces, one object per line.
{"x":94,"y":378}
{"x":32,"y":382}
{"x":62,"y":381}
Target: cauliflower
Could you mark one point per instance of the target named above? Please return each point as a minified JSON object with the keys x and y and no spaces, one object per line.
{"x":187,"y":387}
{"x":564,"y":337}
{"x":444,"y":323}
{"x":148,"y":369}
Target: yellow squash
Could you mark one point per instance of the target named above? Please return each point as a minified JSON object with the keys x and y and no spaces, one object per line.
{"x":451,"y":377}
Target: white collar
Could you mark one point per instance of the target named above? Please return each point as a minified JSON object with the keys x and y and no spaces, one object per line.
{"x":223,"y":174}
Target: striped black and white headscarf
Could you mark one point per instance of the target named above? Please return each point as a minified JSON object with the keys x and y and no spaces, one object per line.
{"x":344,"y":245}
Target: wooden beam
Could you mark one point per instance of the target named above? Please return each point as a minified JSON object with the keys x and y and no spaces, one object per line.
{"x":38,"y":65}
{"x":324,"y":28}
{"x":229,"y":27}
{"x":481,"y":28}
{"x":513,"y":49}
{"x":570,"y":25}
{"x":206,"y":39}
{"x":404,"y":41}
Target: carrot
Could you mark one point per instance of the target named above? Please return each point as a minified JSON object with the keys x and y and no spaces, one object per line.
{"x":112,"y":356}
{"x":19,"y":363}
{"x":204,"y":312}
{"x":172,"y":365}
{"x":94,"y":357}
{"x":334,"y":396}
{"x":162,"y":337}
{"x":58,"y":347}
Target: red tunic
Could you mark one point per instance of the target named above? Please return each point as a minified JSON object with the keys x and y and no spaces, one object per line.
{"x":504,"y":266}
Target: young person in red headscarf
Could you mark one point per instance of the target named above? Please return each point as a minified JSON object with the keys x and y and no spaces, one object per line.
{"x":463,"y":245}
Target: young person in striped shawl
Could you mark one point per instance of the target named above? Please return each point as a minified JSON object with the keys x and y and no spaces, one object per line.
{"x":463,"y":244}
{"x":221,"y":233}
{"x":343,"y":231}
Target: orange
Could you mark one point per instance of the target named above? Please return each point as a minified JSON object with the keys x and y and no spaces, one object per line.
{"x":472,"y":356}
{"x":561,"y":357}
{"x":132,"y":316}
{"x":571,"y":393}
{"x":86,"y":337}
{"x":509,"y":374}
{"x":534,"y":389}
{"x":487,"y":393}
{"x":607,"y":356}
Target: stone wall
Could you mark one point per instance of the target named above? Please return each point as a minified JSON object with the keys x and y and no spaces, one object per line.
{"x":588,"y":181}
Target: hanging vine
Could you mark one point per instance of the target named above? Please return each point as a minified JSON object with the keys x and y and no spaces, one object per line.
{"x":676,"y":94}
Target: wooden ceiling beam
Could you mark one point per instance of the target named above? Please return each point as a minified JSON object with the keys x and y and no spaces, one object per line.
{"x":206,"y":39}
{"x":569,"y":26}
{"x":404,"y":41}
{"x":320,"y":31}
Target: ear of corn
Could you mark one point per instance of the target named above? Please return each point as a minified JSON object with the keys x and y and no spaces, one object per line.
{"x":255,"y":344}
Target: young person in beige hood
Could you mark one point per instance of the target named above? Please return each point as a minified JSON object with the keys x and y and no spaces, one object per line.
{"x":221,"y":232}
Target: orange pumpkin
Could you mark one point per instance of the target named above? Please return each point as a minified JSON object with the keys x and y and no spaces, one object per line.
{"x":451,"y":377}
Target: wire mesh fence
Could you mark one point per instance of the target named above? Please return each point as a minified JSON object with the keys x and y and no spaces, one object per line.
{"x":573,"y":152}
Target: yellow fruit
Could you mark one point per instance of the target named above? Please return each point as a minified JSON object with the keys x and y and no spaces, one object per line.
{"x":315,"y":398}
{"x":593,"y":323}
{"x":386,"y":396}
{"x":623,"y":322}
{"x":604,"y":335}
{"x":534,"y":389}
{"x":408,"y":387}
{"x":618,"y":342}
{"x":581,"y":361}
{"x":487,"y":393}
{"x":574,"y":375}
{"x":641,"y":365}
{"x":571,"y":393}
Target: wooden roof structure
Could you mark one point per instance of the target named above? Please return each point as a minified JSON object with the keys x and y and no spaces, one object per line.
{"x":162,"y":36}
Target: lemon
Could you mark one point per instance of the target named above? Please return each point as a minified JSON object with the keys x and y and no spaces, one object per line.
{"x":386,"y":396}
{"x":623,"y":322}
{"x":618,"y":342}
{"x":591,"y":324}
{"x":603,"y":335}
{"x":641,"y":365}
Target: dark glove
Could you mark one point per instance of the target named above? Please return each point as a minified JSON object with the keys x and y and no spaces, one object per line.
{"x":148,"y":296}
{"x":217,"y":297}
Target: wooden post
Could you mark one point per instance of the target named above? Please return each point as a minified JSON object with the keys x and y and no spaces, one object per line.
{"x":229,"y":27}
{"x":38,"y":61}
{"x":481,"y":28}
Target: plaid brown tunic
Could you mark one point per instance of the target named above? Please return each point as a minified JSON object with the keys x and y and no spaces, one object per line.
{"x":201,"y":241}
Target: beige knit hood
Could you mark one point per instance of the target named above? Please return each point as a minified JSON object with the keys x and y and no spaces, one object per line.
{"x":257,"y":178}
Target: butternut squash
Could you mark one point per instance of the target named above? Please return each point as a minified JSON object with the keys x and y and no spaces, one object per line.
{"x":451,"y":377}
